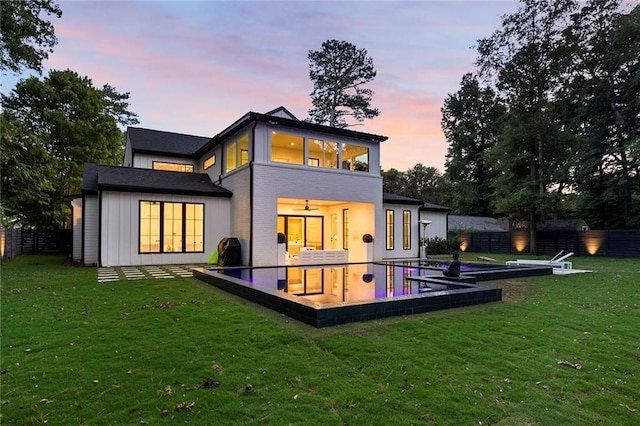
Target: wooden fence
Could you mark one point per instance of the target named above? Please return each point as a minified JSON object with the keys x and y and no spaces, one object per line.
{"x":612,"y":243}
{"x":17,"y":241}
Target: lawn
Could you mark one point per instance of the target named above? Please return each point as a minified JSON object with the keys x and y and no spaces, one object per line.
{"x":556,"y":350}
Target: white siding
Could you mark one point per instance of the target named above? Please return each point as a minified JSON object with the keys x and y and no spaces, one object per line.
{"x":398,"y":251}
{"x":91,"y":216}
{"x":238,"y":182}
{"x":120,"y":228}
{"x":362,"y":194}
{"x":438,"y":225}
{"x":76,"y":226}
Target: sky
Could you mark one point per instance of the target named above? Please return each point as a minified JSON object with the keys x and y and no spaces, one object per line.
{"x":196,"y":67}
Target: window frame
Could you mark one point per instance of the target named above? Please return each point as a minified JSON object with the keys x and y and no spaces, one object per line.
{"x":160,"y":231}
{"x":406,"y":229}
{"x":390,"y":228}
{"x":178,"y":165}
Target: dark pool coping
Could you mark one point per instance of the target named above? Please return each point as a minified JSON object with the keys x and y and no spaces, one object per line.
{"x":326,"y":315}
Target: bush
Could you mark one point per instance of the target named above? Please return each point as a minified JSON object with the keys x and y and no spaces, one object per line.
{"x":439,"y":245}
{"x":367,"y":238}
{"x":281,"y":238}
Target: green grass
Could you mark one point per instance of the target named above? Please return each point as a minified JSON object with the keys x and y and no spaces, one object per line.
{"x":74,"y":351}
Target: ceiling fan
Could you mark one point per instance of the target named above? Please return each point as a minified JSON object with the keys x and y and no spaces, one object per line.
{"x":306,"y":207}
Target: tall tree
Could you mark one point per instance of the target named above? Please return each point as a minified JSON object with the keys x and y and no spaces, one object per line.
{"x":526,"y":59}
{"x":393,"y":181}
{"x":339,"y":71}
{"x":602,"y":100}
{"x":55,"y":125}
{"x":26,"y":39}
{"x":470,"y":122}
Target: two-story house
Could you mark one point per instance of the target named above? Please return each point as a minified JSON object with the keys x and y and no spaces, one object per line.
{"x":176,"y":196}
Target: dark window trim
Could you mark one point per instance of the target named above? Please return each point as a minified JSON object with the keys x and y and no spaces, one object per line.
{"x":404,"y":229}
{"x":184,"y":227}
{"x":204,"y":163}
{"x":393,"y":225}
{"x":153,"y":165}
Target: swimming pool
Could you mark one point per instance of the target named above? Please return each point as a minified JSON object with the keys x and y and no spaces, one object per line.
{"x":336,"y":294}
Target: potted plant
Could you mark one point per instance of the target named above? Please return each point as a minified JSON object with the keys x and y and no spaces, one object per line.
{"x":282,"y":247}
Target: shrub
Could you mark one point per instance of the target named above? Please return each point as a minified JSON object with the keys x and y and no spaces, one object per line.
{"x":281,"y":238}
{"x":439,"y":245}
{"x":367,"y":238}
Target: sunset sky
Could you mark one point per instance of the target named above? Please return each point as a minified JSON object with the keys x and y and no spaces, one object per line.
{"x":196,"y":67}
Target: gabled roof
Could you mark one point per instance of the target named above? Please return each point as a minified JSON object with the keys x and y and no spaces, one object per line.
{"x":282,"y":112}
{"x":390,"y":198}
{"x":128,"y":179}
{"x":156,"y":141}
{"x":434,"y":208}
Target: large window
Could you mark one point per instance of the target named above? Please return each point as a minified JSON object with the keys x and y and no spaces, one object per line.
{"x":237,"y":153}
{"x":171,"y":227}
{"x":311,"y":152}
{"x":406,"y":229}
{"x":355,"y":157}
{"x":286,"y":148}
{"x":390,"y":226}
{"x":173,"y":167}
{"x":323,"y":154}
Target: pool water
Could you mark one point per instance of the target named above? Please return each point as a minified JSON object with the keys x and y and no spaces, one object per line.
{"x":337,"y":294}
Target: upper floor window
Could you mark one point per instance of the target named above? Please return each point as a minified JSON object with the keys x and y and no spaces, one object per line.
{"x":323,"y":154}
{"x":355,"y":157}
{"x":237,"y":153}
{"x":287,"y":148}
{"x":294,"y":149}
{"x":210,"y":161}
{"x":173,"y":167}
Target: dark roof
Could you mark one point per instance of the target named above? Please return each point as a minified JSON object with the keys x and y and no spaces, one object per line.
{"x":156,"y":141}
{"x":252,"y":117}
{"x":390,"y":198}
{"x":129,"y":179}
{"x":434,"y":208}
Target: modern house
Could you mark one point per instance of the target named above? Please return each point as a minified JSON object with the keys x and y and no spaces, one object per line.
{"x":176,"y":196}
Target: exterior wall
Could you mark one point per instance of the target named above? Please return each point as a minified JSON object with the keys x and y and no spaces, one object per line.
{"x":145,"y":161}
{"x":438,"y":225}
{"x":215,"y":170}
{"x":398,"y":251}
{"x":76,"y":226}
{"x":90,"y":235}
{"x":239,"y":183}
{"x":120,"y":228}
{"x":361,"y":193}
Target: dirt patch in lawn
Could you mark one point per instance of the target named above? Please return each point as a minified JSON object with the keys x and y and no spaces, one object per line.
{"x":514,"y":291}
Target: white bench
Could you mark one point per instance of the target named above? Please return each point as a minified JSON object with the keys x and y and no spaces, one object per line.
{"x":321,"y":257}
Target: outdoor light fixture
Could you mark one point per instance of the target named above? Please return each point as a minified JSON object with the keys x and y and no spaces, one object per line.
{"x":424,"y":223}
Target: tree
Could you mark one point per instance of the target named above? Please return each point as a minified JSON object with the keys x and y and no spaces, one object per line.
{"x":53,"y":127}
{"x":526,"y":59}
{"x":603,"y":106}
{"x":393,"y":181}
{"x":471,"y":124}
{"x":26,"y":38}
{"x":338,"y":72}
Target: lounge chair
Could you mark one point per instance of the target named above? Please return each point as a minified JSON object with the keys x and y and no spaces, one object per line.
{"x":557,"y":261}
